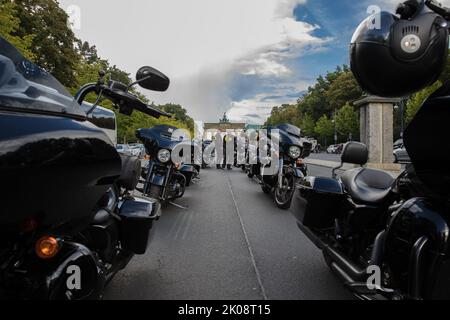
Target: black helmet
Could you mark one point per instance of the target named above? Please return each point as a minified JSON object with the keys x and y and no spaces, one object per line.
{"x":394,"y":56}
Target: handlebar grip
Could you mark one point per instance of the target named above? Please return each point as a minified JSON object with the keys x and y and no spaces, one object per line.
{"x":437,"y":7}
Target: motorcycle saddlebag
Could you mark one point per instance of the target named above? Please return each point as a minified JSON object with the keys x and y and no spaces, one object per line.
{"x":137,"y":216}
{"x":319,"y":202}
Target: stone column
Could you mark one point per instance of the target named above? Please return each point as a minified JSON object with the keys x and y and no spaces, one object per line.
{"x":377,"y":128}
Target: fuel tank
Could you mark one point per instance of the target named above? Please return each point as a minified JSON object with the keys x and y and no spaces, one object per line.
{"x":53,"y":170}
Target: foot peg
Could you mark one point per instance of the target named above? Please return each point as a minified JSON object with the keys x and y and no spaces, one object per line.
{"x":362,"y":289}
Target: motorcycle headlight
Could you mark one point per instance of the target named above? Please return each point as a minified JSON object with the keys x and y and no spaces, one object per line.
{"x":164,"y":155}
{"x":295,"y":152}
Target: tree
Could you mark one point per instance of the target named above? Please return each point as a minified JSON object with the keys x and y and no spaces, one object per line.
{"x":329,"y":93}
{"x":9,"y":24}
{"x":53,"y":42}
{"x":308,"y":126}
{"x":324,"y":128}
{"x":284,"y":114}
{"x":347,"y":122}
{"x":417,"y":99}
{"x":343,"y":90}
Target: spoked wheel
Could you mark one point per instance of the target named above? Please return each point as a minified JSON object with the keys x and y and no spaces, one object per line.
{"x":283,"y":196}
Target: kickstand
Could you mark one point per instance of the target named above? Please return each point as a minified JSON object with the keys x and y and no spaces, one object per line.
{"x":177,"y":205}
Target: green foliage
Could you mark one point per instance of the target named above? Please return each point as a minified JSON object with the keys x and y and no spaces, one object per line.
{"x":343,"y":90}
{"x":324,"y":129}
{"x":179,"y":114}
{"x":308,"y":126}
{"x":284,"y":114}
{"x":53,"y":42}
{"x":9,"y":24}
{"x":39,"y":29}
{"x":417,"y":99}
{"x":347,"y":121}
{"x":331,"y":92}
{"x":129,"y":125}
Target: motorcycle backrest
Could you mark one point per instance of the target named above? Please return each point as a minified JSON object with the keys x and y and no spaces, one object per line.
{"x":131,"y":171}
{"x":355,"y":153}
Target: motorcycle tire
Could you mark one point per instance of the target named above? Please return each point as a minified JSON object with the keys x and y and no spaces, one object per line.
{"x":285,"y":203}
{"x":155,"y":192}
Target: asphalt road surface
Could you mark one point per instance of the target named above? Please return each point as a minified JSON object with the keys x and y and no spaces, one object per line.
{"x":230,"y":242}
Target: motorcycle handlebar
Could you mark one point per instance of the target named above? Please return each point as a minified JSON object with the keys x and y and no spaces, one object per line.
{"x":437,"y":7}
{"x":115,"y":93}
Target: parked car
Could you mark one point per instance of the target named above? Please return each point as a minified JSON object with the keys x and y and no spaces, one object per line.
{"x":400,"y":153}
{"x":335,"y":148}
{"x":137,"y":150}
{"x":123,"y":149}
{"x":331,"y":149}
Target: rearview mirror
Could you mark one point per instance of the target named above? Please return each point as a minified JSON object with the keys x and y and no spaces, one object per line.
{"x":152,"y":79}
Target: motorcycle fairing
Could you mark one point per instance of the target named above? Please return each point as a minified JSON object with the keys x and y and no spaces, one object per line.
{"x":426,"y":138}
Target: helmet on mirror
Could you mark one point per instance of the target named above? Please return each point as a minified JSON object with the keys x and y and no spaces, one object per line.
{"x":394,"y":56}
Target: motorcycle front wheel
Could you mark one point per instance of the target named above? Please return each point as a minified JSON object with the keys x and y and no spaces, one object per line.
{"x":283,"y":196}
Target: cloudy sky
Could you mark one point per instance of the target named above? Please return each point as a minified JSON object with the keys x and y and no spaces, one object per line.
{"x":237,"y":56}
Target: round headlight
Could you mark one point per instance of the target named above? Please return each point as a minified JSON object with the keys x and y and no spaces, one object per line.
{"x":164,"y":155}
{"x":295,"y":152}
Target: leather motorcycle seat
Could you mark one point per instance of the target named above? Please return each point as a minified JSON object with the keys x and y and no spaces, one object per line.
{"x":367,"y":186}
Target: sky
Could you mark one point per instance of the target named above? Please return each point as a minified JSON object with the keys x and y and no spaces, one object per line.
{"x":242,"y":57}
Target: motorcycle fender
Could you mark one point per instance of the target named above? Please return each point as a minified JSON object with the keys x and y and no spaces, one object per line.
{"x":157,"y":179}
{"x":73,"y":274}
{"x":188,"y":169}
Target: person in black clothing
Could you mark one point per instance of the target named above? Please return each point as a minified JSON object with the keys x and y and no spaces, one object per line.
{"x":228,"y":159}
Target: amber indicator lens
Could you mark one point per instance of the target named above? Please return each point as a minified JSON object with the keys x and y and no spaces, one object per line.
{"x":47,"y":247}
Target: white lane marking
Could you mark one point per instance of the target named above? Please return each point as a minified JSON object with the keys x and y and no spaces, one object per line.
{"x":249,"y":247}
{"x":188,"y":225}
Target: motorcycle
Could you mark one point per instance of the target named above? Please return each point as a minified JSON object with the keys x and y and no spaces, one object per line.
{"x":165,"y":180}
{"x":291,"y":151}
{"x":67,"y":240}
{"x":387,"y":238}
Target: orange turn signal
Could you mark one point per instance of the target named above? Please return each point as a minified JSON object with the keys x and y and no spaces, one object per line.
{"x":47,"y":247}
{"x":147,"y":157}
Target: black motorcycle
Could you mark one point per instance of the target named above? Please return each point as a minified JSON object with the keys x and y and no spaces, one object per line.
{"x":388,"y":238}
{"x":290,"y":150}
{"x":164,"y":179}
{"x":68,"y":239}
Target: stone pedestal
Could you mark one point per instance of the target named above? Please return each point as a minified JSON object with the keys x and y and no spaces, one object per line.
{"x":377,"y":128}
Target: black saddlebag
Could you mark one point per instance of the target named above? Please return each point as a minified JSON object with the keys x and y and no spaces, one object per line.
{"x":319,"y":202}
{"x":138,"y":216}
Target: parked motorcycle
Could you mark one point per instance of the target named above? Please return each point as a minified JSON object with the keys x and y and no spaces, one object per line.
{"x":292,"y":149}
{"x":165,"y":180}
{"x":68,"y":239}
{"x":388,"y":238}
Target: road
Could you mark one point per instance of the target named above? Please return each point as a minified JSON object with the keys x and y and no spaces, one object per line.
{"x":325,"y":156}
{"x":230,"y":242}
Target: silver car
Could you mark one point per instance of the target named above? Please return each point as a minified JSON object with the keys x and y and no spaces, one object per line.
{"x":400,"y":153}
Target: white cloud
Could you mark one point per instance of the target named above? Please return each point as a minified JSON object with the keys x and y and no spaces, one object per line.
{"x":199,"y":44}
{"x":257,"y":109}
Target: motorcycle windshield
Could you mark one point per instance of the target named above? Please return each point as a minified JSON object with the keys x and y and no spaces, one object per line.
{"x":26,"y":87}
